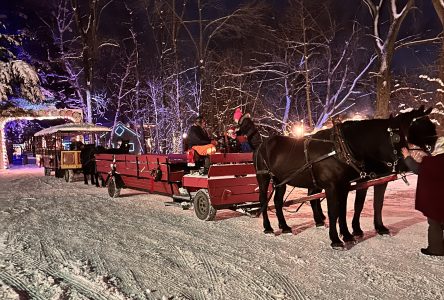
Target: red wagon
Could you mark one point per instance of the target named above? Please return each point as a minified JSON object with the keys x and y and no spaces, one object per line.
{"x":231,"y":183}
{"x":154,"y":173}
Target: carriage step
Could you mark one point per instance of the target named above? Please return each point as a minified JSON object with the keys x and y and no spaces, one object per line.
{"x":179,"y":198}
{"x":184,"y":204}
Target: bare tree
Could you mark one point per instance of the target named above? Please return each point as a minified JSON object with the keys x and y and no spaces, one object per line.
{"x":87,"y":22}
{"x":385,"y":45}
{"x":311,"y":71}
{"x":121,"y":85}
{"x":69,"y":55}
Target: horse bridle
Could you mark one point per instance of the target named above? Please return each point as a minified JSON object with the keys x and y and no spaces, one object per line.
{"x":395,"y":138}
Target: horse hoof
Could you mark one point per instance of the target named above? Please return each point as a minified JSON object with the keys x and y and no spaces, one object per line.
{"x":358,"y":233}
{"x":268,"y":231}
{"x":320,"y":224}
{"x":383,"y":231}
{"x":349,"y":238}
{"x":286,"y":230}
{"x":338,"y":246}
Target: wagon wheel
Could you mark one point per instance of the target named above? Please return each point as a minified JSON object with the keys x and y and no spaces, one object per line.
{"x":202,"y":206}
{"x":47,"y":172}
{"x":69,"y":175}
{"x":113,"y":190}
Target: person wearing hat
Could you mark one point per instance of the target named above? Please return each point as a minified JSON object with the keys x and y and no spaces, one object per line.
{"x":246,"y":130}
{"x":199,"y":141}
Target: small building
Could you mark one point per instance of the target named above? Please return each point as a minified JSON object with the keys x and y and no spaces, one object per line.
{"x":123,"y":132}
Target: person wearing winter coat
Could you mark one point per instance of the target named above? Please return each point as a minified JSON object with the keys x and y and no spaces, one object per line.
{"x":247,"y":130}
{"x":430,"y":194}
{"x":199,"y":141}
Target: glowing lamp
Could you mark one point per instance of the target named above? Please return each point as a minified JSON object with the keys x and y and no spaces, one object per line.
{"x":298,"y":130}
{"x":357,"y":117}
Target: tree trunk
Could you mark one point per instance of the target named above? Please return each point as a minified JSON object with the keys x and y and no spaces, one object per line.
{"x":383,"y":87}
{"x":88,"y":105}
{"x":287,"y":106}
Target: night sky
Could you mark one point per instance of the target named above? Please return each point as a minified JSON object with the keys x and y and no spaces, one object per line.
{"x":27,"y":14}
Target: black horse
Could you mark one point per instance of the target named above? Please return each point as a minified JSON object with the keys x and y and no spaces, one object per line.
{"x":422,"y":133}
{"x":87,"y":157}
{"x":330,"y":160}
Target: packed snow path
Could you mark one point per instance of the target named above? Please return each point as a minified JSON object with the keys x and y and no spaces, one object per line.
{"x":63,"y":240}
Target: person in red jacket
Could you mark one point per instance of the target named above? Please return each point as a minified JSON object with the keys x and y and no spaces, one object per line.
{"x":430,"y":195}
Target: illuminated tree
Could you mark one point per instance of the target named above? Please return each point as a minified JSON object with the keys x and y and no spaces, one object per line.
{"x":17,"y":77}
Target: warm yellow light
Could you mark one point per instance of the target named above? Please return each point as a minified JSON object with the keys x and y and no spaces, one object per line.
{"x":298,"y":130}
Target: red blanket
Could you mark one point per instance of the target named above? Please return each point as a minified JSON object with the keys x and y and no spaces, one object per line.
{"x":430,"y":188}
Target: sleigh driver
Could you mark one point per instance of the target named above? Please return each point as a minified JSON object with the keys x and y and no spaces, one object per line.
{"x":200,"y":142}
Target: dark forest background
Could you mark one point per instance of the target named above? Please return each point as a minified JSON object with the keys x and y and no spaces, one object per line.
{"x":157,"y":64}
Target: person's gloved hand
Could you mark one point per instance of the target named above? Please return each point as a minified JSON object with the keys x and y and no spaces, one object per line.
{"x":241,"y":138}
{"x":405,"y":152}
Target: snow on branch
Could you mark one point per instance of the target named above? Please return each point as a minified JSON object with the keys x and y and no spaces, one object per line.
{"x":21,"y":74}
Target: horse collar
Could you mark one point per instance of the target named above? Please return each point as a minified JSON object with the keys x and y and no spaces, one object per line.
{"x":395,"y":138}
{"x":344,"y":152}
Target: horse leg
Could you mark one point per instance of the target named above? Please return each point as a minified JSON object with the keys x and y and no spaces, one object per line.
{"x":85,"y":176}
{"x":91,"y":173}
{"x":359,"y":205}
{"x":318,"y":215}
{"x":335,"y":195}
{"x":347,"y":236}
{"x":279,"y":204}
{"x":377,"y":208}
{"x":96,"y":176}
{"x":263,"y":182}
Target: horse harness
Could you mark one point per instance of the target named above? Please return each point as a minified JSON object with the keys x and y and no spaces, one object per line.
{"x":342,"y":151}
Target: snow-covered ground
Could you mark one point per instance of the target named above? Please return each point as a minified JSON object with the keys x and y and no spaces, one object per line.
{"x":63,"y":240}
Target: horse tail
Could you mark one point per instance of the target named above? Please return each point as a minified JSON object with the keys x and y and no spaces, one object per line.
{"x":263,"y":176}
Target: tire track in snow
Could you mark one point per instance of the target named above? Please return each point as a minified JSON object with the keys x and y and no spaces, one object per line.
{"x":287,"y":286}
{"x":79,"y":283}
{"x":212,"y":275}
{"x":166,"y":282}
{"x":48,"y":254}
{"x":187,"y":264}
{"x":99,"y":264}
{"x":141,"y":291}
{"x":241,"y":274}
{"x":19,"y":286}
{"x":241,"y":271}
